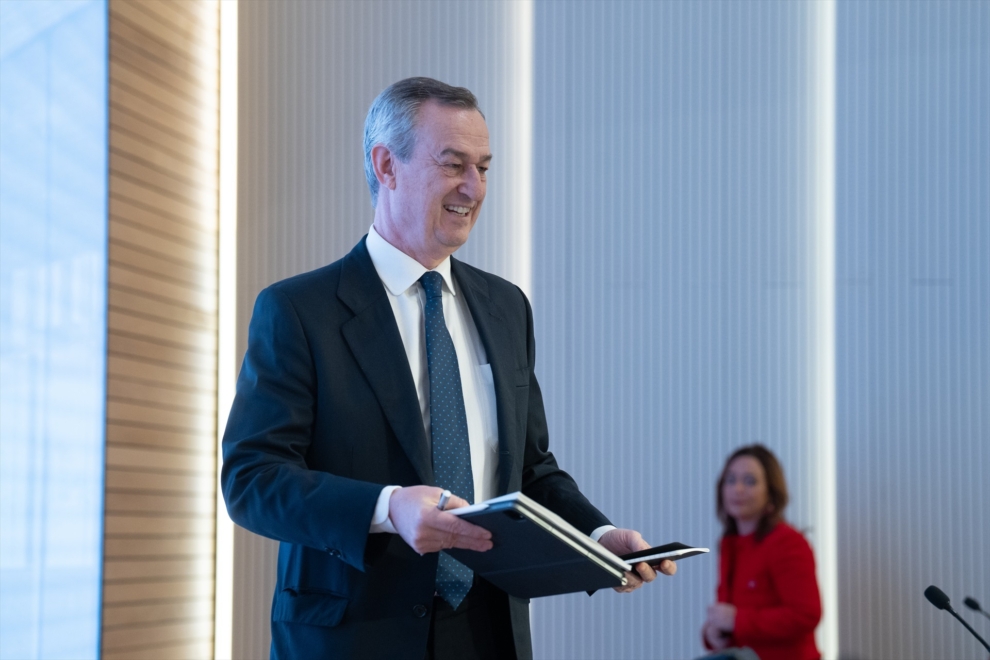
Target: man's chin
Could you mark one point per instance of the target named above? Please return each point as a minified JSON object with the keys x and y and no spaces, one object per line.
{"x":454,"y":239}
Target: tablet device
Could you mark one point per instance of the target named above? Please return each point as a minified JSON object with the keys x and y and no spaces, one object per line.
{"x":671,"y":551}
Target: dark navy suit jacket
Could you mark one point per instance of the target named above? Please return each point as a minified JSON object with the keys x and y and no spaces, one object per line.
{"x":326,"y":414}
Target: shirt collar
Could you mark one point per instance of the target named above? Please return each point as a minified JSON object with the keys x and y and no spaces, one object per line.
{"x":397,"y":270}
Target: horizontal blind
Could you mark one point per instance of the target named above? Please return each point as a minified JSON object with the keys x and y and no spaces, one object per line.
{"x":162,"y":324}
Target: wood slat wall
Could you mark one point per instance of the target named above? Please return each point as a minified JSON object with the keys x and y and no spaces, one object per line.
{"x":162,"y":330}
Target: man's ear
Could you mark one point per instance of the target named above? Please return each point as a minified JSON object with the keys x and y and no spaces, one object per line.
{"x":383,"y":163}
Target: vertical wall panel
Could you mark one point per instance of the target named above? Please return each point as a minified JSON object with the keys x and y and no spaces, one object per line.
{"x":680,"y":282}
{"x":162,"y":325}
{"x":914,"y":324}
{"x":675,"y":289}
{"x":308,"y":72}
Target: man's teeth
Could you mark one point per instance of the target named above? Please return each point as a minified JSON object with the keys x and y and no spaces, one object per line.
{"x":460,"y":210}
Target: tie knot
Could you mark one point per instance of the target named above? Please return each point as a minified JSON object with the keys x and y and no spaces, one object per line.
{"x":432,"y":282}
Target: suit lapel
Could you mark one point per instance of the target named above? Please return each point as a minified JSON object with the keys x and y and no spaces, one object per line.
{"x":374,"y":339}
{"x":490,"y":321}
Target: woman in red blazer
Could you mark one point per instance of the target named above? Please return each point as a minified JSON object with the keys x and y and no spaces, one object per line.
{"x":768,"y":596}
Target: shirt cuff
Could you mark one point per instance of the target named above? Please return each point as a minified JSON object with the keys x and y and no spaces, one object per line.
{"x":598,"y":533}
{"x":380,"y":522}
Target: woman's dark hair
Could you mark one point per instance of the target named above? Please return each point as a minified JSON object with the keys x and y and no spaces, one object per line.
{"x":776,"y":491}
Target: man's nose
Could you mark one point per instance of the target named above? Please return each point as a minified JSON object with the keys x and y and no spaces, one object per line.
{"x":473,"y":185}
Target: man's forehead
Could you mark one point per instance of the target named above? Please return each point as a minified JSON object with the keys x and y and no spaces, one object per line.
{"x":450,"y":128}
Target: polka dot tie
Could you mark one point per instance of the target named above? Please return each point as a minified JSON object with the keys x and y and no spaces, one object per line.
{"x":448,"y":426}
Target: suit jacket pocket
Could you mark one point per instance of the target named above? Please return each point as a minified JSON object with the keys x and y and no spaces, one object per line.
{"x":315,"y":609}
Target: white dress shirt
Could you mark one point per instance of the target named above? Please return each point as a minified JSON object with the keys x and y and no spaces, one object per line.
{"x":400,"y":274}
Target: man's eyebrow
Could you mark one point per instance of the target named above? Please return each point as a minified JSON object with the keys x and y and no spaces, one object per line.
{"x":449,"y":151}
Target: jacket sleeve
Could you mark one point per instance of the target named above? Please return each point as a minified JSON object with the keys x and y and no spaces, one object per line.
{"x":266,"y":483}
{"x":800,"y":609}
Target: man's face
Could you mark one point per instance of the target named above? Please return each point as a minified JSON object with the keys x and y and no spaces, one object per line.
{"x":439,"y":190}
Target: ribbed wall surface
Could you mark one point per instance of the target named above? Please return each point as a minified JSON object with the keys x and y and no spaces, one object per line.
{"x":681,"y":270}
{"x":308,"y":72}
{"x":675,"y":262}
{"x":913,"y":200}
{"x":161,"y":384}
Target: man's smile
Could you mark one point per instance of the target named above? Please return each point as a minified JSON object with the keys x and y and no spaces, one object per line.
{"x":457,"y":210}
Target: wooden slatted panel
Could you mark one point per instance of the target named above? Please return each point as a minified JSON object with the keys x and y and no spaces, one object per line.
{"x":162,"y":330}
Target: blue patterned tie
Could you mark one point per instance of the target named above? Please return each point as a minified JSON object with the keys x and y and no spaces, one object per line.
{"x":448,"y":426}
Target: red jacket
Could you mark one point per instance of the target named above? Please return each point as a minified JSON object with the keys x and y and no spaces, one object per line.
{"x":773,"y":586}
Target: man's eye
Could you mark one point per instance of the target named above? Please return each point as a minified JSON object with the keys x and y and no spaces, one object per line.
{"x":483,"y":170}
{"x":452,"y":166}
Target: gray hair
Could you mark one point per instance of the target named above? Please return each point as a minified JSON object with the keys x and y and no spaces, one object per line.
{"x":392,"y":118}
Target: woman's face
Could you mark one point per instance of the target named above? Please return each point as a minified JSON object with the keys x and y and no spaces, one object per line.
{"x":744,"y":492}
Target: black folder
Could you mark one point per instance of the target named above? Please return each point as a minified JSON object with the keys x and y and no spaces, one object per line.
{"x":536,"y":552}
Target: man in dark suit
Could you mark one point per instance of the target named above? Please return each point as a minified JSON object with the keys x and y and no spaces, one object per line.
{"x":371,"y":385}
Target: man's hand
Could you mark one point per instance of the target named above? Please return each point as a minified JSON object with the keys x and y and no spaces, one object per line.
{"x":624,"y":541}
{"x":415,"y":516}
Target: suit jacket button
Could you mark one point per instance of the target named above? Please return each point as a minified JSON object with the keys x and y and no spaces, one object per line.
{"x":420,"y":611}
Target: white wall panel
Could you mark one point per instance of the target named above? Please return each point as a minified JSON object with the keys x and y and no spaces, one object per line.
{"x":676,"y":257}
{"x":913,"y":200}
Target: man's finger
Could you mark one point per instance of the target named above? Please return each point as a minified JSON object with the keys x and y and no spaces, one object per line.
{"x":460,"y":533}
{"x":468,"y":543}
{"x":455,"y":502}
{"x":668,"y":567}
{"x":645,"y":572}
{"x":633,"y":582}
{"x":435,"y":540}
{"x":444,"y":541}
{"x":451,"y":524}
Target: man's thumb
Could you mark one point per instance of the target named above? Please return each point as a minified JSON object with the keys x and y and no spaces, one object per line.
{"x":456,"y":502}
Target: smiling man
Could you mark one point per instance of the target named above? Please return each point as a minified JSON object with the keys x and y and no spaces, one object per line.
{"x":372,"y":385}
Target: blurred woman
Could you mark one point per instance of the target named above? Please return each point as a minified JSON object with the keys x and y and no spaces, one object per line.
{"x":768,"y":597}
